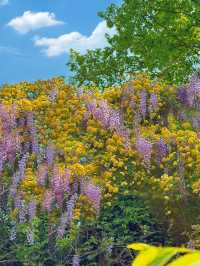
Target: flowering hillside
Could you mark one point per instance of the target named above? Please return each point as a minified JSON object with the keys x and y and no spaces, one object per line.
{"x":67,"y":154}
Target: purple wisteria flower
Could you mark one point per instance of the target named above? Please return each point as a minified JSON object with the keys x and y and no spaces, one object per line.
{"x":32,"y":209}
{"x":94,"y":195}
{"x":108,"y":117}
{"x":80,"y":92}
{"x":115,"y":121}
{"x":13,"y":233}
{"x":19,"y":174}
{"x":22,"y":213}
{"x":182,"y":95}
{"x":22,"y":165}
{"x":48,"y":200}
{"x":161,"y":150}
{"x":194,"y":85}
{"x":58,"y":185}
{"x":50,"y":154}
{"x":67,"y":181}
{"x":33,"y":132}
{"x":196,"y":121}
{"x":143,"y":103}
{"x":153,"y":102}
{"x":144,"y":148}
{"x":76,"y":260}
{"x":3,"y":157}
{"x":5,"y":119}
{"x":42,"y":174}
{"x":189,"y":95}
{"x":13,"y":116}
{"x":10,"y":142}
{"x":91,"y":106}
{"x":70,"y":207}
{"x":53,"y":95}
{"x":67,"y":216}
{"x":17,"y":202}
{"x":63,"y":224}
{"x":102,"y":113}
{"x":86,"y":116}
{"x":30,"y":237}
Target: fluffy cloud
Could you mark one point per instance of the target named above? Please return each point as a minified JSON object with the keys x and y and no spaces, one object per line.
{"x":3,"y":2}
{"x":30,"y":21}
{"x":75,"y":40}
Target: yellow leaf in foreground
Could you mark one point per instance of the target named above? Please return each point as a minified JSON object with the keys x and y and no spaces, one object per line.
{"x":138,"y":246}
{"x":187,"y":260}
{"x":146,"y":257}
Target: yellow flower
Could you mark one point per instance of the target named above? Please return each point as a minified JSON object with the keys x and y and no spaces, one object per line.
{"x":78,"y":169}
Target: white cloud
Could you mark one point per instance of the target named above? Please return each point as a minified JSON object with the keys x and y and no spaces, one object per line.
{"x":76,"y":41}
{"x":3,"y":2}
{"x":30,"y":21}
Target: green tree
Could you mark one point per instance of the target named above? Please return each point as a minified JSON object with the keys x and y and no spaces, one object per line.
{"x":161,"y":37}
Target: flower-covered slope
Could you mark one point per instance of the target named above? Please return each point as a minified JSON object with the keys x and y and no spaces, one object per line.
{"x":65,"y":152}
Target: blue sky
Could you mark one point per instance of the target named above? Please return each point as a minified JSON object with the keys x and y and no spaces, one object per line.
{"x":36,"y":35}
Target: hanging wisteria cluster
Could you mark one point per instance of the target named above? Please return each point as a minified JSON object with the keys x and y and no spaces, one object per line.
{"x":110,"y":118}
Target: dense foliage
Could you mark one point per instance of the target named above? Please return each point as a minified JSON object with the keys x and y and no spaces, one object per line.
{"x":82,"y":173}
{"x":158,"y":37}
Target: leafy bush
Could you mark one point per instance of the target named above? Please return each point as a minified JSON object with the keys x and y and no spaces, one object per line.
{"x":126,"y":220}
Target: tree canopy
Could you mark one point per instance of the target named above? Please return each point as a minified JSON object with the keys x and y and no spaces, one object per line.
{"x":161,"y":37}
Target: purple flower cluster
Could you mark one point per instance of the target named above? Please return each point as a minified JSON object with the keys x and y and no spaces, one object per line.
{"x":32,"y":209}
{"x":189,"y":95}
{"x":108,"y":117}
{"x":161,"y":150}
{"x":67,"y":216}
{"x":93,"y":193}
{"x":50,"y":154}
{"x":80,"y":92}
{"x":19,"y":174}
{"x":67,"y":181}
{"x":58,"y":185}
{"x":196,"y":121}
{"x":91,"y":106}
{"x":3,"y":157}
{"x":62,"y":225}
{"x":33,"y":132}
{"x":30,"y":237}
{"x":143,"y":103}
{"x":144,"y":148}
{"x":8,"y":118}
{"x":22,"y":212}
{"x":10,"y":143}
{"x":13,"y":233}
{"x":53,"y":94}
{"x":42,"y":174}
{"x":153,"y":102}
{"x":182,"y":95}
{"x":48,"y":200}
{"x":70,"y":207}
{"x":76,"y":260}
